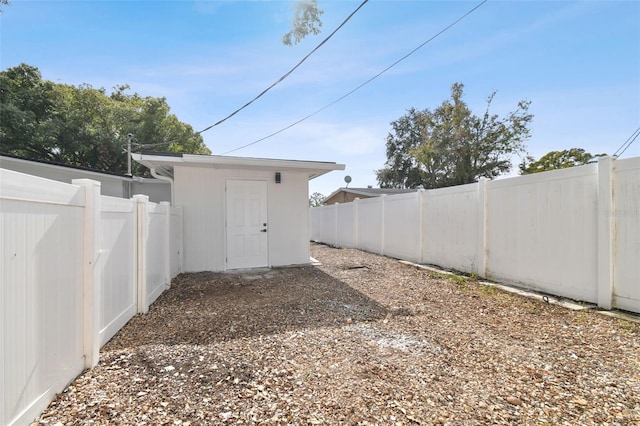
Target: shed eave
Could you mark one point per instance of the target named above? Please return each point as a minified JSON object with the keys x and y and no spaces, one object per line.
{"x":164,"y":164}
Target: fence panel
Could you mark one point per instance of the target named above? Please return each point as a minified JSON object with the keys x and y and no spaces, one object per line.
{"x":118,"y":259}
{"x":626,"y":216}
{"x":451,"y":217}
{"x":315,"y":223}
{"x":346,"y":229}
{"x":369,"y":223}
{"x":541,"y":231}
{"x":157,"y":261}
{"x":329,"y":225}
{"x":402,"y":226}
{"x":41,"y":323}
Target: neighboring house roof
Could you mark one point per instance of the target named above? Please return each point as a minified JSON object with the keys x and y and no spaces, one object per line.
{"x":9,"y":159}
{"x":17,"y":159}
{"x":111,"y":184}
{"x":368,"y":192}
{"x":163,"y":164}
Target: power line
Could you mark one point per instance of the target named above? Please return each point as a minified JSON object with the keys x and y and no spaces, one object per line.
{"x":628,"y":143}
{"x":288,"y":73}
{"x":363,"y":84}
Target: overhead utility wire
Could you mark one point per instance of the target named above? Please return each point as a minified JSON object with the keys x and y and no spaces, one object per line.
{"x":288,"y":73}
{"x":363,"y":84}
{"x":628,"y":143}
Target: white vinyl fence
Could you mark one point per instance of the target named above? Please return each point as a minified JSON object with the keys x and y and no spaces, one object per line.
{"x":573,"y":232}
{"x":76,"y":267}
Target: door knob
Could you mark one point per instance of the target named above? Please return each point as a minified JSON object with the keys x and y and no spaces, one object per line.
{"x":263,"y":230}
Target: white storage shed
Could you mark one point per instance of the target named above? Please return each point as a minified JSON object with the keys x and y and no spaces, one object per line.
{"x":240,"y":212}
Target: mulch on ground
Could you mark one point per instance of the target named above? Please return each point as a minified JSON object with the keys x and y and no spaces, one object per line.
{"x":359,"y":340}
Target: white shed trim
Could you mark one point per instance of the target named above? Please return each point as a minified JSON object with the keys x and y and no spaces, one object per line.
{"x":163,"y":163}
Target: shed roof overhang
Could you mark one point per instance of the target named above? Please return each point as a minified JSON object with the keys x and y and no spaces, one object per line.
{"x":163,"y":164}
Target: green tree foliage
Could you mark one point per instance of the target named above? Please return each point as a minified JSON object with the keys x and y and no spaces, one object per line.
{"x":452,"y":146}
{"x":84,"y":126}
{"x":316,"y":199}
{"x":557,"y":160}
{"x":306,"y":20}
{"x":26,"y":102}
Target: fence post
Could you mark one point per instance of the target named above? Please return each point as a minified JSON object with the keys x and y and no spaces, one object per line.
{"x":356,"y":228}
{"x":142,"y":223}
{"x":312,"y":230}
{"x":481,"y":243}
{"x":322,"y":225}
{"x":316,"y":232}
{"x":181,"y":240}
{"x":91,"y":271}
{"x":167,"y":243}
{"x":421,"y":195}
{"x":319,"y":234}
{"x":605,"y":231}
{"x":382,"y":225}
{"x":335,"y":227}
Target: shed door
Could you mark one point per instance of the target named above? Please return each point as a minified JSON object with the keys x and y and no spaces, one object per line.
{"x":247,"y":224}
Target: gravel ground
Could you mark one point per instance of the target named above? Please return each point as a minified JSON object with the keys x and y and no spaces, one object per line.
{"x":359,"y":340}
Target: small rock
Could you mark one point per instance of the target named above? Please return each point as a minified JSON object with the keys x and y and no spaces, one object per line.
{"x":514,"y":401}
{"x":580,"y":401}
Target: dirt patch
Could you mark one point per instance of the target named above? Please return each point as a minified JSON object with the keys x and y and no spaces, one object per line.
{"x":360,"y":339}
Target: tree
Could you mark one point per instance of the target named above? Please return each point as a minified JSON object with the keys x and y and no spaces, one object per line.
{"x":554,"y":160}
{"x":26,"y":103}
{"x":84,"y":126}
{"x":316,"y":199}
{"x":402,"y":169}
{"x":306,"y":20}
{"x":452,"y":146}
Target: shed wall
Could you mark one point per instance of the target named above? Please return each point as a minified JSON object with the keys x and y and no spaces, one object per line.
{"x":201,"y":193}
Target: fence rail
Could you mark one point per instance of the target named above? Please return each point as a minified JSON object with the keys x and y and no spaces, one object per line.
{"x":74,"y":267}
{"x":573,"y":233}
